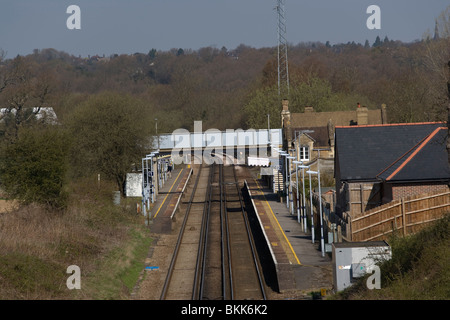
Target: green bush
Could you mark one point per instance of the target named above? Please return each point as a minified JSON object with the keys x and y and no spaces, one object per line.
{"x":33,"y":168}
{"x":110,"y":133}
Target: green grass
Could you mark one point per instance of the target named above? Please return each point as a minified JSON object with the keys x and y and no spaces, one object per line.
{"x":118,"y":272}
{"x":29,"y":277}
{"x":141,"y":244}
{"x":109,"y":243}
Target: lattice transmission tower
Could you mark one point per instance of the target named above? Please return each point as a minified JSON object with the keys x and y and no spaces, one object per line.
{"x":283,"y":70}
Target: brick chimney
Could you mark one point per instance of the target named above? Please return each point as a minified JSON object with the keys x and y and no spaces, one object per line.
{"x":384,"y":119}
{"x":309,"y":109}
{"x":362,"y":116}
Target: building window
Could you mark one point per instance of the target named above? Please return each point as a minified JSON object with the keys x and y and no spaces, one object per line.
{"x":304,"y":153}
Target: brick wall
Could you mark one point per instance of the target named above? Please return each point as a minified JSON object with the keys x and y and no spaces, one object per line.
{"x":405,"y":190}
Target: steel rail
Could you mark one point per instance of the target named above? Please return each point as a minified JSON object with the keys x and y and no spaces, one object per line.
{"x":180,"y":236}
{"x":224,"y":243}
{"x":227,"y":243}
{"x":200,"y":268}
{"x":250,"y":238}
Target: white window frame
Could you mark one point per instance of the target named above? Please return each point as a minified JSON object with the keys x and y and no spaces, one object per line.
{"x":304,"y":153}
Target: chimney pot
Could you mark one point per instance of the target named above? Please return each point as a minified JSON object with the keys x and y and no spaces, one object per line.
{"x":362,"y":116}
{"x":309,"y":109}
{"x":285,"y":104}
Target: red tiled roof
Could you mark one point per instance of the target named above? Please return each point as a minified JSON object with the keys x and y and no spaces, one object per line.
{"x":390,"y":124}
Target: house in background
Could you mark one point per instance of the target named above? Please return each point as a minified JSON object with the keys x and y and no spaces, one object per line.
{"x":45,"y":114}
{"x":376,"y":164}
{"x":311,"y":133}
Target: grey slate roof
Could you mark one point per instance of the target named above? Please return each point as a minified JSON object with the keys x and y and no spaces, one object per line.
{"x":400,"y":152}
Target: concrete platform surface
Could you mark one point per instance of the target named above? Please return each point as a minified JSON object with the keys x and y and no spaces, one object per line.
{"x":305,"y":268}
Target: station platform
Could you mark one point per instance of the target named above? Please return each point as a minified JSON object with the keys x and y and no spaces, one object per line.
{"x":299,"y":263}
{"x":161,"y":214}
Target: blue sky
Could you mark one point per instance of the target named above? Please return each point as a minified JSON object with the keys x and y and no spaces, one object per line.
{"x":128,"y":26}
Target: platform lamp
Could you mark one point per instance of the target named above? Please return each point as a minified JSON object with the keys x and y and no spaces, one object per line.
{"x":153,"y":193}
{"x":156,"y":129}
{"x":274,"y":148}
{"x":303,"y":167}
{"x":145,"y":184}
{"x":285,"y":154}
{"x":322,"y":245}
{"x":290,"y":185}
{"x":312,"y":210}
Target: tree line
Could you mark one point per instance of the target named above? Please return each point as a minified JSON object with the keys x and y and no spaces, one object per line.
{"x":217,"y":85}
{"x":107,"y":106}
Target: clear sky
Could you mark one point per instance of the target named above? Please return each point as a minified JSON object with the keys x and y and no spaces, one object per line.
{"x":129,"y":26}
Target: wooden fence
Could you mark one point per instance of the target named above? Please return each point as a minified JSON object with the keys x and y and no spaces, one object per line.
{"x":405,"y":216}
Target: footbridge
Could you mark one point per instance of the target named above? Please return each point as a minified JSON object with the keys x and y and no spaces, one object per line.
{"x":213,"y":139}
{"x":233,"y":146}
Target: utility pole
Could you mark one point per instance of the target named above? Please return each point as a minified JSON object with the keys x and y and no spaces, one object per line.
{"x":156,"y":129}
{"x":283,"y":70}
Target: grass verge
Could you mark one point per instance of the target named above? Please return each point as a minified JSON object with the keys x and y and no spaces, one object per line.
{"x":108,"y":242}
{"x":118,"y":272}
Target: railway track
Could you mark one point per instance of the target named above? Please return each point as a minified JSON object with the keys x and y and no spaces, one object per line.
{"x":181,"y":271}
{"x":215,"y":257}
{"x":245,"y":272}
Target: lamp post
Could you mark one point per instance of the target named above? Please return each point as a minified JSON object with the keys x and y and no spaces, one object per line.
{"x":298,"y":199}
{"x":144,"y":186}
{"x":291,"y":198}
{"x":318,"y":155}
{"x":312,"y":210}
{"x":322,"y":245}
{"x":156,"y":128}
{"x":147,"y":184}
{"x":153,"y":193}
{"x":303,"y":167}
{"x":284,"y":154}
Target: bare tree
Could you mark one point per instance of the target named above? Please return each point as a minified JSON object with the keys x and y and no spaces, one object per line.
{"x":438,"y":62}
{"x":24,"y":90}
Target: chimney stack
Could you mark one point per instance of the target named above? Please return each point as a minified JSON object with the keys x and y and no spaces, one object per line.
{"x":362,"y":115}
{"x":383,"y":114}
{"x":285,"y":104}
{"x":309,"y":109}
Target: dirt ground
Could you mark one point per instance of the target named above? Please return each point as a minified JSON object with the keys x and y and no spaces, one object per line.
{"x":152,"y":278}
{"x":7,"y":205}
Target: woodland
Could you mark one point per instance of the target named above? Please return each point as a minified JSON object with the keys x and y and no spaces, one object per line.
{"x":231,"y":88}
{"x":108,"y":107}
